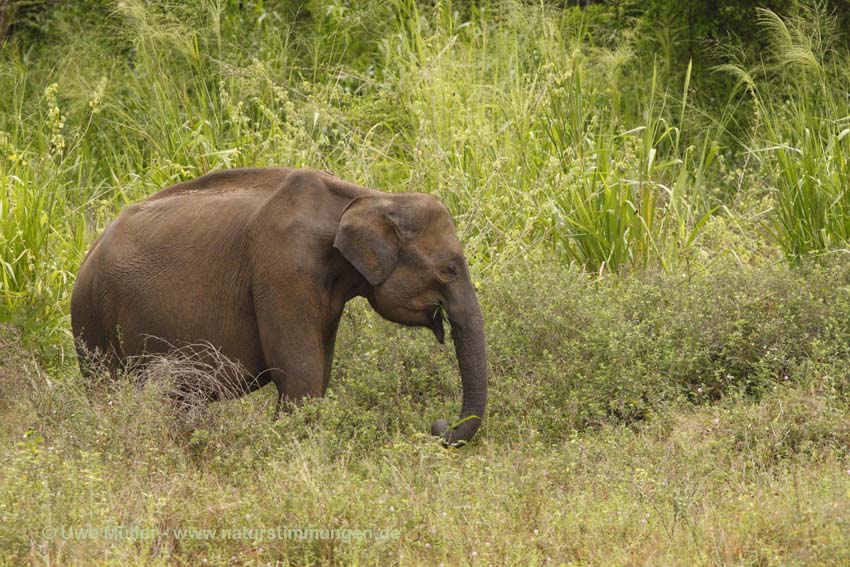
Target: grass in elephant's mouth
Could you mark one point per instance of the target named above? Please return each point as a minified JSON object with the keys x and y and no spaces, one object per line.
{"x":584,"y":459}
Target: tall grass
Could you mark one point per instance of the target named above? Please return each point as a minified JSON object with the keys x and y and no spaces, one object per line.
{"x":541,"y":146}
{"x":534,"y":132}
{"x":799,"y":94}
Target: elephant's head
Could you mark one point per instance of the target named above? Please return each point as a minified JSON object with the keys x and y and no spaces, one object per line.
{"x":406,"y":247}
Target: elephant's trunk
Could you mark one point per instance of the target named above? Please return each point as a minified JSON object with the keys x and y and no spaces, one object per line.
{"x":468,"y":336}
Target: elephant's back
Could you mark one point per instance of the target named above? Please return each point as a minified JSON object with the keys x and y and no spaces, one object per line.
{"x":186,"y":241}
{"x":176,"y":267}
{"x":227,"y":181}
{"x":191,"y":233}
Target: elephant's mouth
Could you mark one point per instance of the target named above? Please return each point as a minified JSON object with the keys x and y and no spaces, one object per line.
{"x":435,"y":320}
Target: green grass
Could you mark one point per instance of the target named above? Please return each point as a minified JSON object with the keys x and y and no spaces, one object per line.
{"x":800,"y":130}
{"x":533,"y":132}
{"x":659,"y":251}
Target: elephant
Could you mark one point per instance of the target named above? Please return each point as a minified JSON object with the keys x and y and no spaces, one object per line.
{"x":259,"y":263}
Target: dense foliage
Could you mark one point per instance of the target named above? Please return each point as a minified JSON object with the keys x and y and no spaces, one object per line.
{"x":540,"y":127}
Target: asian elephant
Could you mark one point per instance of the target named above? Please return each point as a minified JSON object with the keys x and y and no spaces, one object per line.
{"x":259,"y":263}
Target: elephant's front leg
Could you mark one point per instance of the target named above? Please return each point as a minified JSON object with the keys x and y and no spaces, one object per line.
{"x":298,"y":348}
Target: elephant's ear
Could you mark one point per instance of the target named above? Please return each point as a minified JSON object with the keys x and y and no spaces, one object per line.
{"x":369,"y":238}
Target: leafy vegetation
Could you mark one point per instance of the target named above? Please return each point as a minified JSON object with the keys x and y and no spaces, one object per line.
{"x":655,"y":209}
{"x":667,"y":420}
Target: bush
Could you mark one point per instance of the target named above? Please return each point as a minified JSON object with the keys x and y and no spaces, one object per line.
{"x":570,"y":351}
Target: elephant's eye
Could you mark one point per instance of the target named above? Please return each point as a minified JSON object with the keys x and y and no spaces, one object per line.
{"x":449,"y":271}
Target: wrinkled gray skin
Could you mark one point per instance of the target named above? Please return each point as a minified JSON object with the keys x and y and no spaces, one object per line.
{"x":260,"y":262}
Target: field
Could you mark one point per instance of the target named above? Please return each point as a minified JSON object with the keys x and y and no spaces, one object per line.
{"x":657,"y":228}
